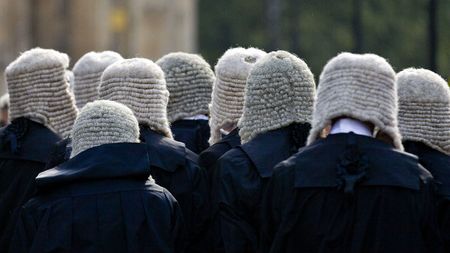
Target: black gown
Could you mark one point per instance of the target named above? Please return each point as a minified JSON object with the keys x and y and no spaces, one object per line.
{"x":194,"y":133}
{"x":174,"y":167}
{"x":350,"y":193}
{"x":242,"y":175}
{"x":207,"y":160}
{"x":60,"y":153}
{"x":438,"y":164}
{"x":100,"y":201}
{"x":25,"y":148}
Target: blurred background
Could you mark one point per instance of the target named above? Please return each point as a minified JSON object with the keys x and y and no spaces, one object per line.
{"x":406,"y":32}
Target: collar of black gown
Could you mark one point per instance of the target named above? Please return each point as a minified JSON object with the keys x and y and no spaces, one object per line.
{"x":108,"y":161}
{"x":268,"y":149}
{"x":163,"y":152}
{"x":344,"y":160}
{"x":232,"y":139}
{"x":190,"y":123}
{"x":25,"y":139}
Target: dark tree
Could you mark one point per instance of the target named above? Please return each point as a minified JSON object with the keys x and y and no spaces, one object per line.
{"x":293,"y":15}
{"x":273,"y":17}
{"x":357,"y":26}
{"x":432,"y":34}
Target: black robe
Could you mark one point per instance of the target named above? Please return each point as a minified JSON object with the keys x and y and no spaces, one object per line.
{"x":194,"y":133}
{"x":60,"y":153}
{"x":242,"y":175}
{"x":100,"y":201}
{"x":25,"y":148}
{"x":208,"y":158}
{"x":174,"y":167}
{"x":350,"y":193}
{"x":438,"y":164}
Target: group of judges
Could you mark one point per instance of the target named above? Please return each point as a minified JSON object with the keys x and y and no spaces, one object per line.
{"x":131,"y":155}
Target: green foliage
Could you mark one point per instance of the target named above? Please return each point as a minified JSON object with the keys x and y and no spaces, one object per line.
{"x":396,"y":30}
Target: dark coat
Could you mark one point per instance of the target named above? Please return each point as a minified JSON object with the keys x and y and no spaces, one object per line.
{"x":25,"y":148}
{"x":349,"y":193}
{"x":60,"y":153}
{"x":439,"y":166}
{"x":242,"y":175}
{"x":174,"y":167}
{"x":208,"y":158}
{"x":100,"y":201}
{"x":194,"y":133}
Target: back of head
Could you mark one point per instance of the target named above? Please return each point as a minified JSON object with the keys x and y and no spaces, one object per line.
{"x":424,"y":108}
{"x":280,"y":91}
{"x":39,"y":90}
{"x":189,"y":80}
{"x":87,"y":74}
{"x":139,"y":84}
{"x":361,"y":87}
{"x":103,"y":122}
{"x":227,"y":100}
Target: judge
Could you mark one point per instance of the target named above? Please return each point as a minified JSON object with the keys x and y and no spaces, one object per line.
{"x":351,"y":189}
{"x":274,"y":125}
{"x":424,"y":121}
{"x":103,"y":199}
{"x":139,"y":83}
{"x":42,"y":111}
{"x":226,"y":107}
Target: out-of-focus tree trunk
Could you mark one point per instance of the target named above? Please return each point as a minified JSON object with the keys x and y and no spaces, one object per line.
{"x":357,"y":26}
{"x":273,"y":16}
{"x":432,"y":34}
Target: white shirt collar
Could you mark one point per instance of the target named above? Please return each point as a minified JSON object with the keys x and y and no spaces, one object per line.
{"x":347,"y":125}
{"x":197,"y":117}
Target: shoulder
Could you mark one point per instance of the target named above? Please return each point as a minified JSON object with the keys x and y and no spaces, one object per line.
{"x":234,"y":163}
{"x":210,"y":156}
{"x":234,"y":156}
{"x":190,"y":156}
{"x":158,"y":193}
{"x":395,"y":160}
{"x":285,"y":170}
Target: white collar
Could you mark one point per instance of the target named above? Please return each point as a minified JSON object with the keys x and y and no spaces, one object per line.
{"x":197,"y":117}
{"x":347,"y":125}
{"x":224,"y":132}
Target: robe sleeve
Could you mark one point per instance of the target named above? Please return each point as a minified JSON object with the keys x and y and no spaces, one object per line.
{"x":433,"y":235}
{"x":269,"y":215}
{"x":201,"y":219}
{"x":238,"y":232}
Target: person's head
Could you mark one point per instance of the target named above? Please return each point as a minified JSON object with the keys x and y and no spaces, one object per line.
{"x":39,"y":91}
{"x":87,"y":73}
{"x":189,"y":81}
{"x":103,"y":122}
{"x":424,"y":108}
{"x":4,"y":110}
{"x":280,"y":91}
{"x":139,"y":84}
{"x":358,"y":86}
{"x":227,"y":100}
